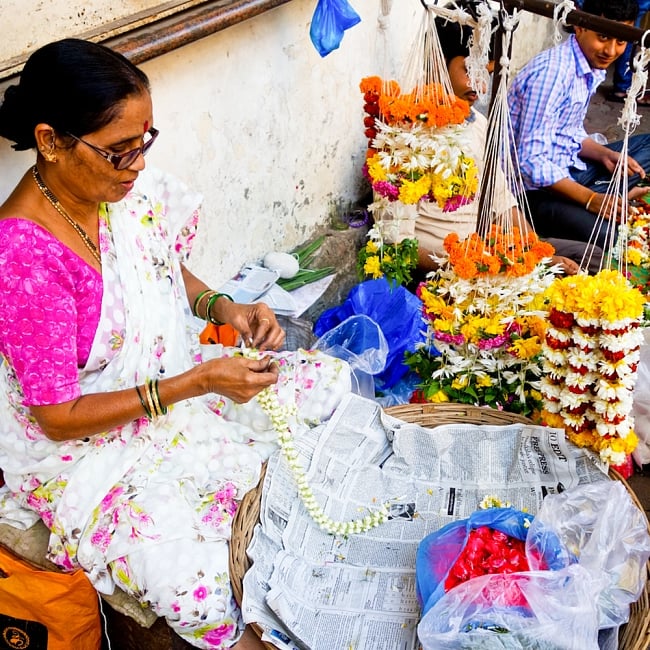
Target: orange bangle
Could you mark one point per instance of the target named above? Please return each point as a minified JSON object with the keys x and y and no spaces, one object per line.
{"x":589,"y":200}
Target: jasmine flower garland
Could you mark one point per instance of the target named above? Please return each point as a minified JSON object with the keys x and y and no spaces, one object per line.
{"x":280,"y":417}
{"x":591,"y":353}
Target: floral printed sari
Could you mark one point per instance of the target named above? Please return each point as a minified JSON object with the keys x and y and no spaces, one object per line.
{"x":149,"y":505}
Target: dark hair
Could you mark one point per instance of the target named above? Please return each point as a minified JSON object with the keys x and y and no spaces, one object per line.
{"x":620,"y":10}
{"x":454,"y":38}
{"x":73,"y":85}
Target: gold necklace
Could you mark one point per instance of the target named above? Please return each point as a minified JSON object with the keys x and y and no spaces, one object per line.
{"x":47,"y":193}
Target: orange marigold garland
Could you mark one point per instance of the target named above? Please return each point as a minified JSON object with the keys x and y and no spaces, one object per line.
{"x":485,"y":324}
{"x":415,"y":146}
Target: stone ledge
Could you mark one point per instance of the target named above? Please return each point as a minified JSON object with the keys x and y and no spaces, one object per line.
{"x":340,"y":250}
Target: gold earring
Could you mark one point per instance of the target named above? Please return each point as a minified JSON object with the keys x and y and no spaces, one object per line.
{"x":49,"y":156}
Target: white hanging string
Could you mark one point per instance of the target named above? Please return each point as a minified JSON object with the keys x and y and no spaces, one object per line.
{"x":425,"y":69}
{"x":560,"y":13}
{"x":501,"y":180}
{"x":479,"y":52}
{"x":382,"y":44}
{"x":617,"y":189}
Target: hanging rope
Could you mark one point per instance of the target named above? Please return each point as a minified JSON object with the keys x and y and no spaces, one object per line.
{"x":501,"y":183}
{"x":616,"y":240}
{"x":383,"y":53}
{"x":560,"y":13}
{"x":479,"y":51}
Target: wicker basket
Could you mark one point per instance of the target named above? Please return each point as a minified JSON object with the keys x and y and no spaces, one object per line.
{"x":634,"y":636}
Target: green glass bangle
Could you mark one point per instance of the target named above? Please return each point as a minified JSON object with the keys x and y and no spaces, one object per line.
{"x":144,"y":406}
{"x":211,"y":300}
{"x":198,"y":299}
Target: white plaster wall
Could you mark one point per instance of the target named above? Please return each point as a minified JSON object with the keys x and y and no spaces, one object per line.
{"x":533,"y":34}
{"x":23,"y":21}
{"x":266,"y":129}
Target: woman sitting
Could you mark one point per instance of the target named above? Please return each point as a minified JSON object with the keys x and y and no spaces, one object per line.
{"x":133,"y":452}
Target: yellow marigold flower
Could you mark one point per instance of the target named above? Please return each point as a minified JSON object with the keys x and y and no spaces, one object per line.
{"x":411,"y":192}
{"x":460,"y":382}
{"x":493,"y":326}
{"x":471,"y":327}
{"x":443,"y":325}
{"x":372,"y":267}
{"x":626,"y":445}
{"x":527,"y":348}
{"x":439,"y":397}
{"x":633,"y":256}
{"x":484,"y":381}
{"x":621,"y":303}
{"x":388,"y":258}
{"x":372,"y":247}
{"x":376,"y":170}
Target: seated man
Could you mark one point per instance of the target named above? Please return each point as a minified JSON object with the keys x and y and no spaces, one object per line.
{"x":432,"y":224}
{"x":565,"y":171}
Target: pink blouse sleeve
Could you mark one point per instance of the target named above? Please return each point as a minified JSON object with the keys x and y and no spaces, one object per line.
{"x":42,"y":286}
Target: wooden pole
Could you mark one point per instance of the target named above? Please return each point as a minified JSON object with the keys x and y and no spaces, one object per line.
{"x":578,"y":18}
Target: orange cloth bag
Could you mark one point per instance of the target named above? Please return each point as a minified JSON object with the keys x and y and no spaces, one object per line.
{"x":46,"y":610}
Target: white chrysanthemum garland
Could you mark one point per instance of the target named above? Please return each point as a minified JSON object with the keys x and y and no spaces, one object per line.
{"x":591,"y":352}
{"x":280,"y":417}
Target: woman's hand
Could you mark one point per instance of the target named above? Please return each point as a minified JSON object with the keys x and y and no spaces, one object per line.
{"x":256,"y":323}
{"x":238,"y":378}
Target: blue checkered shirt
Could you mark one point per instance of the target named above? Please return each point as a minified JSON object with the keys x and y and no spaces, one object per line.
{"x":548,"y":102}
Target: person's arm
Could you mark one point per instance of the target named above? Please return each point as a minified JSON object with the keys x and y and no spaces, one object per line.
{"x":256,"y":322}
{"x":596,"y":152}
{"x":237,"y":378}
{"x":46,"y":361}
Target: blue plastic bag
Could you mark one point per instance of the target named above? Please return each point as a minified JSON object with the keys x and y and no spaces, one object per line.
{"x":398,"y":313}
{"x":438,"y":551}
{"x":331,"y":18}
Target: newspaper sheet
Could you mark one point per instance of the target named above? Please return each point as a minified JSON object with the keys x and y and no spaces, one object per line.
{"x":315,"y":591}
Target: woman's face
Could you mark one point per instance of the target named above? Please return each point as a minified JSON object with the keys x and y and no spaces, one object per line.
{"x":88,"y":174}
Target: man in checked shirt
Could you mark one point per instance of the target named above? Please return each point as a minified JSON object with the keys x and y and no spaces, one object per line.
{"x":566,"y":172}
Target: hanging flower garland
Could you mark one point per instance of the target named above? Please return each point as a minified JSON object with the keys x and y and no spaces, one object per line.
{"x":416,"y":146}
{"x":485,"y":325}
{"x":280,"y":417}
{"x":591,"y":352}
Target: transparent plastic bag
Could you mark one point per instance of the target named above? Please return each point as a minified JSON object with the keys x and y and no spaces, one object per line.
{"x":398,"y":313}
{"x":556,"y":612}
{"x":361,"y":342}
{"x":601,"y":525}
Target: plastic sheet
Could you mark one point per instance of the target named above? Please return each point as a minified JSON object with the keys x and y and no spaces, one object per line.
{"x":438,"y":551}
{"x":601,"y":525}
{"x":558,"y":613}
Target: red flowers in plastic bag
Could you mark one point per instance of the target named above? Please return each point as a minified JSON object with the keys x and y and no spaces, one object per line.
{"x":487,"y":551}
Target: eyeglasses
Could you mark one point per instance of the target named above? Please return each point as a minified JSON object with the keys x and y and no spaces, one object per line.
{"x":123,"y":160}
